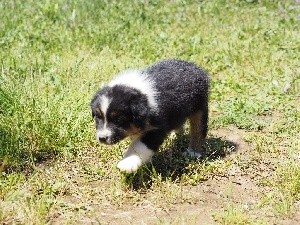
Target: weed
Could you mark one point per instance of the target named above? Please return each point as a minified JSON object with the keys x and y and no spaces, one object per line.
{"x":55,"y":55}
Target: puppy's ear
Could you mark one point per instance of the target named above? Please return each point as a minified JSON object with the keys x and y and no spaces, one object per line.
{"x":140,"y":111}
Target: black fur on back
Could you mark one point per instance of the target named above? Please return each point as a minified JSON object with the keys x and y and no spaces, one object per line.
{"x":182,"y":90}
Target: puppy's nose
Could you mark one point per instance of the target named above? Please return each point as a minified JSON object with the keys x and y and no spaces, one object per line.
{"x":103,"y":139}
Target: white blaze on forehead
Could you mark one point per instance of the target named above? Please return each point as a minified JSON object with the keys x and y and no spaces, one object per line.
{"x":105,"y":131}
{"x":104,"y":104}
{"x":140,"y":81}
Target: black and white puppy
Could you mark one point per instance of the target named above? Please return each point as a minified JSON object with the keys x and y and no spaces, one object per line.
{"x":148,"y":104}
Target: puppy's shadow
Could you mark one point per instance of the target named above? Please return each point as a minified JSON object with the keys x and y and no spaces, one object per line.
{"x":171,"y":164}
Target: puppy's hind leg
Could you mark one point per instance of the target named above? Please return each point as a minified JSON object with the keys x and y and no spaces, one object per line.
{"x":198,"y":123}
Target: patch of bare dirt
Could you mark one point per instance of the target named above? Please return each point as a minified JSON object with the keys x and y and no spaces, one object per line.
{"x":237,"y":188}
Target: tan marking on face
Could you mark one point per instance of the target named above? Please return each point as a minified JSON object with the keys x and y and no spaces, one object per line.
{"x":133,"y":130}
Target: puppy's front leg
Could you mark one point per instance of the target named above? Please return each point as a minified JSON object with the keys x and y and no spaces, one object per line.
{"x":137,"y":154}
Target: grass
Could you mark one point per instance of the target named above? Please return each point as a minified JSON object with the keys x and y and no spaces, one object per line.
{"x":55,"y":55}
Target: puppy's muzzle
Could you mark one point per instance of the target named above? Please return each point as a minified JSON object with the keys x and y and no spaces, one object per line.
{"x":104,"y":136}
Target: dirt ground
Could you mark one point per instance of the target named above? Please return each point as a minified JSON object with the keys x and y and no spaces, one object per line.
{"x":238,"y":188}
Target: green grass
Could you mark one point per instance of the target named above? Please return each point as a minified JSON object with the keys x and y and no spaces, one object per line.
{"x":56,"y":54}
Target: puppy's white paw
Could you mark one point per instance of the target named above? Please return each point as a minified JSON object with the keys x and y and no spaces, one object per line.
{"x":190,"y":153}
{"x":130,"y":164}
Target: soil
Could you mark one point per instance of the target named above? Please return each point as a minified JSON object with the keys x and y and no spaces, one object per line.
{"x":211,"y":197}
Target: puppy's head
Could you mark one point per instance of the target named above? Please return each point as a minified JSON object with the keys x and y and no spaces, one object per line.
{"x":119,"y":112}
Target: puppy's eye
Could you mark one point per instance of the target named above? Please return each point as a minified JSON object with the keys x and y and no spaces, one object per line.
{"x":118,"y":117}
{"x":98,"y":114}
{"x":114,"y":115}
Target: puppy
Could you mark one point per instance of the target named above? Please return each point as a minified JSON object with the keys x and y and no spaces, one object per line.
{"x":147,"y":104}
